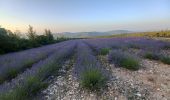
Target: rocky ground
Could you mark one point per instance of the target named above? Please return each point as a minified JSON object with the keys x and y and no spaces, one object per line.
{"x":150,"y":82}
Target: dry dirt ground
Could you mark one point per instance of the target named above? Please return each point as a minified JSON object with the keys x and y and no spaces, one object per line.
{"x":152,"y":81}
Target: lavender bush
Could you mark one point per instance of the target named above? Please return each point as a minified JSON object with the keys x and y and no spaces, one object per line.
{"x":152,"y":55}
{"x":124,"y":59}
{"x":165,"y":59}
{"x":92,"y":79}
{"x":87,"y":69}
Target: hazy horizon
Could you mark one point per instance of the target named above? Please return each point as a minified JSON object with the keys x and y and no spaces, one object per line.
{"x":85,"y":15}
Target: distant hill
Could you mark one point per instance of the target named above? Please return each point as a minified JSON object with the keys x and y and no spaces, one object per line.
{"x":90,"y":34}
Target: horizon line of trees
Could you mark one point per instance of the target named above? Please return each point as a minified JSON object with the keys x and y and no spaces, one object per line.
{"x":12,"y":41}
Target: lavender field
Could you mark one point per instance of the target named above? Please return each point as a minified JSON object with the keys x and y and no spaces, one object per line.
{"x":88,"y":69}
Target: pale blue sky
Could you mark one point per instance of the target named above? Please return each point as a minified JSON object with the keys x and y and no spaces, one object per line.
{"x":85,"y":15}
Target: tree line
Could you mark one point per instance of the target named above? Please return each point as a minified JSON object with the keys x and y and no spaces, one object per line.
{"x":12,"y":41}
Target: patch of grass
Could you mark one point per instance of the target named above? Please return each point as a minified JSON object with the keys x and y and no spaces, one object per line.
{"x":104,"y":51}
{"x":29,"y":62}
{"x":152,"y":56}
{"x":93,"y":79}
{"x":165,"y":59}
{"x":30,"y":88}
{"x":130,"y":63}
{"x":155,"y":56}
{"x":17,"y":94}
{"x":124,"y":59}
{"x":34,"y":84}
{"x":11,"y":73}
{"x":48,"y":70}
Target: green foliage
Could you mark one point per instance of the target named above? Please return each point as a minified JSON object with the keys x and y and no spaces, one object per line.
{"x":3,"y":32}
{"x":165,"y":59}
{"x":46,"y":71}
{"x":104,"y":51}
{"x":42,"y":39}
{"x":130,"y":63}
{"x":11,"y":42}
{"x":31,"y":33}
{"x":160,"y":57}
{"x":30,"y":88}
{"x":16,"y":94}
{"x":153,"y":56}
{"x":12,"y":73}
{"x":33,"y":84}
{"x":92,"y":79}
{"x":49,"y":36}
{"x":124,"y":59}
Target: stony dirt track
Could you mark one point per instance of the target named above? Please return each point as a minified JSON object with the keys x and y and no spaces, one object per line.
{"x":151,"y":82}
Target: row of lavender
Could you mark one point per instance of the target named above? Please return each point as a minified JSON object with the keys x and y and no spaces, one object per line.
{"x":14,"y":63}
{"x":32,"y":80}
{"x":87,"y":69}
{"x":125,"y":43}
{"x":120,"y":50}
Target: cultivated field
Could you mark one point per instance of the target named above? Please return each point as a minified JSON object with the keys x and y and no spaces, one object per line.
{"x":126,"y":68}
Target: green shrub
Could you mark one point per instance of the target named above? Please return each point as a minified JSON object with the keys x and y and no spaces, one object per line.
{"x":160,"y":57}
{"x":46,"y":71}
{"x":11,"y":73}
{"x":124,"y":59}
{"x":17,"y":94}
{"x":33,"y":84}
{"x":104,"y":51}
{"x":153,"y":56}
{"x":165,"y":59}
{"x":13,"y":95}
{"x":130,"y":63}
{"x":30,"y":88}
{"x":92,"y":79}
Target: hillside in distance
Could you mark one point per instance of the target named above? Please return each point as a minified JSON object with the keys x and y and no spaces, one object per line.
{"x":90,"y":34}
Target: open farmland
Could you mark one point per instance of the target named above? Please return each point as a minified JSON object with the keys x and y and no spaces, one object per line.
{"x":88,"y":69}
